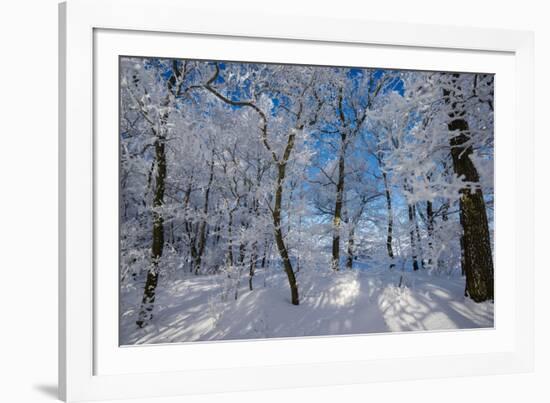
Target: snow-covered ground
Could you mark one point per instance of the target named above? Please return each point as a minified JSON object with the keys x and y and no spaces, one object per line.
{"x":193,"y":308}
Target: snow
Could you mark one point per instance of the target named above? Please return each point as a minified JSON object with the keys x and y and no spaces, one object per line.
{"x":191,"y":308}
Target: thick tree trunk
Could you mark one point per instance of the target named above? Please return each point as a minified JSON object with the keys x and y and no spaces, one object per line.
{"x":477,"y":256}
{"x":149,"y":292}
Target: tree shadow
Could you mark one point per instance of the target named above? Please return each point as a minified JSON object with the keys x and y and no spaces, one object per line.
{"x":433,"y":308}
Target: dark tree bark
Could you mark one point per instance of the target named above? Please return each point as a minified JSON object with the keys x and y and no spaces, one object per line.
{"x":418,"y":237}
{"x":252,"y":269}
{"x":430,"y":226}
{"x":230,"y":259}
{"x":389,"y":237}
{"x":477,"y":256}
{"x":339,"y":200}
{"x":149,"y":292}
{"x":462,"y":258}
{"x":445,"y":211}
{"x":337,"y":219}
{"x":279,"y":240}
{"x":350,"y":254}
{"x":254,"y":253}
{"x":411,"y":232}
{"x":242,"y":252}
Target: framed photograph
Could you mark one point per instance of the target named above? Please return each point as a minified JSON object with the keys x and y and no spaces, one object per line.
{"x":246,"y":207}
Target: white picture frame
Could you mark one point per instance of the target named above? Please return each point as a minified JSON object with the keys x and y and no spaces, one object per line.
{"x":92,"y":366}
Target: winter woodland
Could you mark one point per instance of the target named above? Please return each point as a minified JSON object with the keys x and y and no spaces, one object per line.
{"x":267,"y":200}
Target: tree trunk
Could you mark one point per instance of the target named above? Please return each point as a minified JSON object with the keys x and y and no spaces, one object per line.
{"x":430,"y":226}
{"x":462,"y":267}
{"x":389,"y":237}
{"x":279,"y":240}
{"x":188,"y":227}
{"x":351,"y":241}
{"x":337,"y":219}
{"x":445,"y":211}
{"x":230,"y":259}
{"x":476,"y":243}
{"x":477,"y":255}
{"x":252,"y":269}
{"x":254,"y":253}
{"x":253,"y":263}
{"x":242,"y":250}
{"x":411,"y":232}
{"x":149,"y":292}
{"x":418,"y":238}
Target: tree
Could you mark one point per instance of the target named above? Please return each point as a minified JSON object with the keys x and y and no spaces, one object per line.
{"x":351,"y":93}
{"x":157,"y":116}
{"x":296,"y":97}
{"x":476,"y":243}
{"x":451,"y":100}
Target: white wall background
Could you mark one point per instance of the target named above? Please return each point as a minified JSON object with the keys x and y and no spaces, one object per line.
{"x":28,"y":201}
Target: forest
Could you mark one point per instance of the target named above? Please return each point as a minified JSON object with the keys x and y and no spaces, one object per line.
{"x":263,"y":200}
